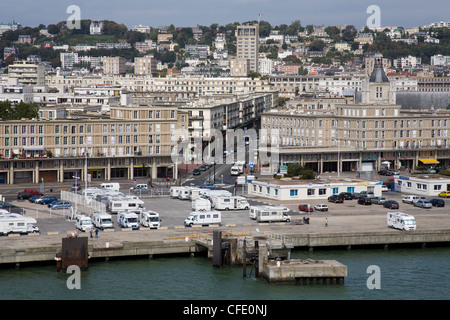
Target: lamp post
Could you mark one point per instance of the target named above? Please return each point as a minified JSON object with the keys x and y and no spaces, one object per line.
{"x":75,"y":178}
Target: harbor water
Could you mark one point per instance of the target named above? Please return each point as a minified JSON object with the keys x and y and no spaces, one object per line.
{"x":403,"y":274}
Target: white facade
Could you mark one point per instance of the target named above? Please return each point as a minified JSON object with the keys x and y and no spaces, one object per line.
{"x":423,"y":186}
{"x":309,"y":190}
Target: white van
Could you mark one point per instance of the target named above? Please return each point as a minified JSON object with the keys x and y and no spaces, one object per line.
{"x":127,"y":219}
{"x":114,"y":186}
{"x":201,"y":205}
{"x":150,"y":219}
{"x":400,"y":220}
{"x":234,"y":171}
{"x":183,"y":193}
{"x":102,"y":221}
{"x":203,"y":218}
{"x":410,"y":199}
{"x":271,"y":214}
{"x":230,"y":203}
{"x":83,"y":223}
{"x":140,"y":186}
{"x":16,"y":223}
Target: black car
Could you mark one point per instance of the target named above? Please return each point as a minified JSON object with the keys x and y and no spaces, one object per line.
{"x":347,"y":195}
{"x":391,"y":204}
{"x":11,"y":208}
{"x":24,"y":195}
{"x":365,"y":201}
{"x":336,"y":198}
{"x":196,"y":172}
{"x":437,"y":202}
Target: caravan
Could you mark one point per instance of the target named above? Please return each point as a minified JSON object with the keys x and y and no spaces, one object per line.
{"x":400,"y":220}
{"x":201,"y":205}
{"x":269,"y":214}
{"x":150,"y":219}
{"x":203,"y":218}
{"x":128,"y":219}
{"x":183,"y":193}
{"x":117,"y":204}
{"x":230,"y":203}
{"x":16,"y":223}
{"x":103,"y":221}
{"x":174,"y":191}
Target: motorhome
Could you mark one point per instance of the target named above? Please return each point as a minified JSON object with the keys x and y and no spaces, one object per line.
{"x":254,"y":209}
{"x":117,"y":204}
{"x":150,"y":219}
{"x":208,"y":194}
{"x":174,"y":191}
{"x":103,"y":221}
{"x":83,"y":223}
{"x":240,"y":165}
{"x":201,"y":205}
{"x":195,"y":193}
{"x":15,"y":223}
{"x":203,"y":218}
{"x":271,"y":214}
{"x":114,"y":186}
{"x":229,"y":203}
{"x":234,"y":171}
{"x":128,"y":219}
{"x":400,"y":220}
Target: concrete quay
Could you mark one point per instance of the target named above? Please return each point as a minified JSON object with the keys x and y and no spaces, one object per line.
{"x":342,"y":231}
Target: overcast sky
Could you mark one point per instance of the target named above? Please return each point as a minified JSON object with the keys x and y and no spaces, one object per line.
{"x":187,"y":13}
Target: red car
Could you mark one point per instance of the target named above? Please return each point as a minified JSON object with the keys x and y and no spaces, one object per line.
{"x":34,"y":192}
{"x":305,"y":207}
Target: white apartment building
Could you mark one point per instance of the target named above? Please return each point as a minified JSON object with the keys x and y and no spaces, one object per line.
{"x":440,"y":60}
{"x":27,"y":72}
{"x":145,"y":66}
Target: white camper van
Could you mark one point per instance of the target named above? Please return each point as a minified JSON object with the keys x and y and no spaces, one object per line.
{"x":83,"y":223}
{"x":128,"y":219}
{"x":114,"y":186}
{"x":150,"y":219}
{"x":400,"y":220}
{"x":203,"y":218}
{"x":201,"y":205}
{"x":183,"y":193}
{"x":195,"y":193}
{"x":103,"y":221}
{"x":174,"y":191}
{"x":16,"y":223}
{"x":230,"y":203}
{"x":117,"y":204}
{"x":270,"y":214}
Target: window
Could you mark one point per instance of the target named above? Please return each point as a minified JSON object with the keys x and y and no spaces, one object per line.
{"x":324,"y":191}
{"x":311,"y":192}
{"x":293,"y":192}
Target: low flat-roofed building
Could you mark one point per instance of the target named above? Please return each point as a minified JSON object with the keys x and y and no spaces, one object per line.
{"x":424,"y":184}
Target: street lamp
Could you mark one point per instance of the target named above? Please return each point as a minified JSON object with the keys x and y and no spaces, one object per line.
{"x":75,"y":178}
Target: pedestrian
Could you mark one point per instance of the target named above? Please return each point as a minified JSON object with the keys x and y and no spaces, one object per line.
{"x":90,"y":232}
{"x":326,"y":222}
{"x":96,"y":233}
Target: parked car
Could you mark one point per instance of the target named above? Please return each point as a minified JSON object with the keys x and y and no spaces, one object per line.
{"x":305,"y":207}
{"x":321,"y":207}
{"x":437,"y":202}
{"x":60,"y":204}
{"x":423,"y":204}
{"x":24,"y":195}
{"x":208,"y":185}
{"x":384,"y":188}
{"x":391,"y":204}
{"x":418,"y":198}
{"x":365,"y":201}
{"x":347,"y":195}
{"x":34,"y":198}
{"x":34,"y":192}
{"x":336,"y":198}
{"x":364,"y":194}
{"x":429,"y":170}
{"x":47,"y":199}
{"x":383,"y":172}
{"x":444,"y":194}
{"x":378,"y":200}
{"x":196,"y":172}
{"x":204,"y":167}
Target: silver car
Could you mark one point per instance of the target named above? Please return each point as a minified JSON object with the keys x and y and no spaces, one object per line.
{"x":423,"y":204}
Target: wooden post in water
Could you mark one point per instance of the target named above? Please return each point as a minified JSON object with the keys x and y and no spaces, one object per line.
{"x":217,"y":248}
{"x":256,"y":259}
{"x":244,"y":259}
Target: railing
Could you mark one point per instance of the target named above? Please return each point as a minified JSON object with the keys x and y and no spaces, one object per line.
{"x":81,"y":204}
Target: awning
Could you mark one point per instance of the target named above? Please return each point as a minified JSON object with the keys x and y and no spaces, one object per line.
{"x":429,"y":161}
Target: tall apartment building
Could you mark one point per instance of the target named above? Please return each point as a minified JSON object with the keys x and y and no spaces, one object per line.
{"x":239,"y":67}
{"x":27,"y":72}
{"x":248,"y":45}
{"x":145,"y":66}
{"x":114,"y":65}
